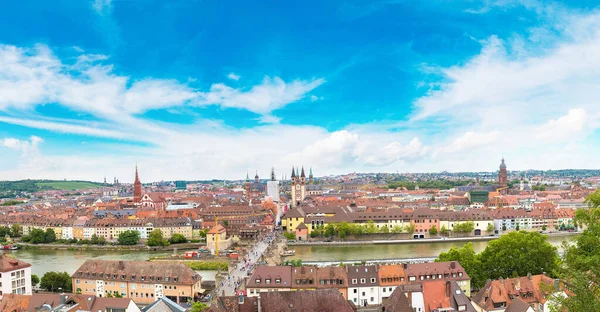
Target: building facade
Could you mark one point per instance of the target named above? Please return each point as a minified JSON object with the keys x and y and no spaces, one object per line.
{"x":15,"y":276}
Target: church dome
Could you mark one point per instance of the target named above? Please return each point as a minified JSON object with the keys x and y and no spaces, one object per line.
{"x":502,"y":165}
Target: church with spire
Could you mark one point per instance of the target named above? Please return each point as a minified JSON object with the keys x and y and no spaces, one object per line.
{"x":503,"y":178}
{"x":137,"y":187}
{"x":301,"y":187}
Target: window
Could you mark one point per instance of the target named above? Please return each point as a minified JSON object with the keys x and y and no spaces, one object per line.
{"x":258,"y":281}
{"x":77,"y":282}
{"x":372,"y":280}
{"x":460,"y":274}
{"x":278,"y":281}
{"x":268,"y":281}
{"x":412,"y":278}
{"x":354,"y":281}
{"x":372,"y":299}
{"x":355,"y":290}
{"x":363,"y":293}
{"x":384,"y":289}
{"x":422,"y":277}
{"x":363,"y":280}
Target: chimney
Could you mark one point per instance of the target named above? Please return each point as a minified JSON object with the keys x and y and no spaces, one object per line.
{"x":121,"y":265}
{"x":404,"y":266}
{"x":63,"y":299}
{"x":448,"y":290}
{"x":453,"y":264}
{"x":529,"y":276}
{"x":259,"y":307}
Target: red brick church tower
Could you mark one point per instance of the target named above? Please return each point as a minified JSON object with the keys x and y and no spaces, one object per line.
{"x":137,"y":187}
{"x":503,"y":177}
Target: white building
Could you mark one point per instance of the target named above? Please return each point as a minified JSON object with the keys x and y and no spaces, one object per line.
{"x":15,"y":276}
{"x":273,"y":190}
{"x":67,"y":231}
{"x":363,"y":285}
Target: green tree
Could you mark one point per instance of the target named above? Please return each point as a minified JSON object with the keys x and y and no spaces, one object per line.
{"x":581,"y":266}
{"x":469,"y":260}
{"x":433,"y":231}
{"x":225,"y":223}
{"x":384,"y":229}
{"x":330,"y":230}
{"x":370,"y":228}
{"x":97,"y":240}
{"x":34,"y":280}
{"x":396,"y":229}
{"x":129,"y":237}
{"x":155,"y":238}
{"x":444,"y":230}
{"x":290,"y":235}
{"x":198,"y":307}
{"x":15,"y":230}
{"x":410,"y":229}
{"x":177,"y":239}
{"x":49,"y":236}
{"x":53,"y":281}
{"x":518,"y":228}
{"x":490,"y":228}
{"x":522,"y":252}
{"x":503,"y":227}
{"x":544,"y":227}
{"x":464,"y":227}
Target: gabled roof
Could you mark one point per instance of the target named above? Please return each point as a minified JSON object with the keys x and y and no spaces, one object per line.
{"x":217,"y":229}
{"x":164,"y":304}
{"x":8,"y":264}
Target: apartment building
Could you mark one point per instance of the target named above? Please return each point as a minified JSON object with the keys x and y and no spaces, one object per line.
{"x":142,"y":281}
{"x":363,"y":285}
{"x":15,"y":276}
{"x":268,"y":279}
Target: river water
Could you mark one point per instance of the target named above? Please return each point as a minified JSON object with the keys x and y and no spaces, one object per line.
{"x":390,"y":251}
{"x":43,"y":261}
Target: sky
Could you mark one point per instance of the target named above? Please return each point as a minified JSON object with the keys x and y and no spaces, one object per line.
{"x":218,"y":89}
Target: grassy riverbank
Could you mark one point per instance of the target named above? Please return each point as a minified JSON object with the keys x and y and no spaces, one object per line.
{"x":199,"y":265}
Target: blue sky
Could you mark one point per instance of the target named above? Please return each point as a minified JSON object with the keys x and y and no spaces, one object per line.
{"x":213,"y":89}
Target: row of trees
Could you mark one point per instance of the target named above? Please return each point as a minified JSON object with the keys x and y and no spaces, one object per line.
{"x":343,"y":229}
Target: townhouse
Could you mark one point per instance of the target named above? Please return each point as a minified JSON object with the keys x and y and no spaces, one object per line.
{"x":448,"y":271}
{"x":142,"y":281}
{"x":390,"y":277}
{"x":269,"y":278}
{"x":363,"y":285}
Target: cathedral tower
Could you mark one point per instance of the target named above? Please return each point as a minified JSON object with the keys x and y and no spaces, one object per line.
{"x":503,"y":177}
{"x":298,"y":187}
{"x":137,"y":187}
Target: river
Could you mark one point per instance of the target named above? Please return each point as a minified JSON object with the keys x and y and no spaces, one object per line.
{"x":68,"y":261}
{"x":43,"y":261}
{"x":390,"y":251}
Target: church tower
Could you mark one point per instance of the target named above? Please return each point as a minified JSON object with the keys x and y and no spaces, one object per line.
{"x":137,"y":187}
{"x":298,"y":186}
{"x":310,"y":176}
{"x":503,"y":177}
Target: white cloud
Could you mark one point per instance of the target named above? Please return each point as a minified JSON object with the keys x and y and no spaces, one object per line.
{"x":24,"y":146}
{"x":233,"y":76}
{"x":469,"y":141}
{"x":271,"y":94}
{"x":571,"y":126}
{"x":102,"y":6}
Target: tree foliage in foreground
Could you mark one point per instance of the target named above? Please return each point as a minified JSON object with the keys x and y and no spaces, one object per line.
{"x":516,"y":253}
{"x":581,"y":266}
{"x":53,"y":281}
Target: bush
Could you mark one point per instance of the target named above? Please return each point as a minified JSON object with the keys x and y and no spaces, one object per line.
{"x":177,"y":239}
{"x":129,"y":238}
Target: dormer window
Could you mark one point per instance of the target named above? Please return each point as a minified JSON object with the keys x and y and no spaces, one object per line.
{"x":372,"y":280}
{"x":122,"y":277}
{"x":278,"y":281}
{"x":268,"y":281}
{"x":354,"y":281}
{"x":363,"y":280}
{"x":258,"y":281}
{"x":460,"y":274}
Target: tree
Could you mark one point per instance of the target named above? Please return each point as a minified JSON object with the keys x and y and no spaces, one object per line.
{"x":330,"y":230}
{"x":503,"y":227}
{"x":225,"y":223}
{"x":129,"y":237}
{"x":396,"y":229}
{"x":34,"y":280}
{"x":52,"y":281}
{"x":544,"y":227}
{"x":490,"y":228}
{"x":433,"y":231}
{"x":469,"y":260}
{"x":198,"y":307}
{"x":518,"y":228}
{"x":444,"y":230}
{"x":154,"y":239}
{"x":290,"y":235}
{"x":97,"y":240}
{"x":410,"y":229}
{"x":370,"y":227}
{"x":49,"y":236}
{"x":464,"y":227}
{"x":177,"y":239}
{"x":581,"y":266}
{"x":384,"y":229}
{"x":15,"y":230}
{"x":522,"y":252}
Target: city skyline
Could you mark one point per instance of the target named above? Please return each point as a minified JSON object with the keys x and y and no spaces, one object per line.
{"x":214,"y":90}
